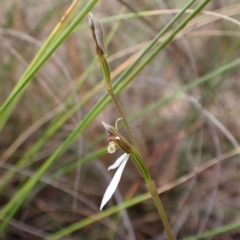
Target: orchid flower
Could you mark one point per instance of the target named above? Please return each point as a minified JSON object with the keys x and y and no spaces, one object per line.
{"x":115,"y":141}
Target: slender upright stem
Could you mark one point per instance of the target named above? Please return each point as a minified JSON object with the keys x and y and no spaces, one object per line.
{"x":153,"y":191}
{"x":132,"y":147}
{"x":137,"y":159}
{"x":108,"y":82}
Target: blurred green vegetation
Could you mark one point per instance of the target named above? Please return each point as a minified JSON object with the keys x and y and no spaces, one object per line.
{"x":183,"y":106}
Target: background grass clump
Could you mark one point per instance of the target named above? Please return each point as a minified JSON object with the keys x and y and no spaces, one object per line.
{"x":182,"y":104}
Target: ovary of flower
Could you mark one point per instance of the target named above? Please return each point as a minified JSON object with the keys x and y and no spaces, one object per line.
{"x":120,"y":163}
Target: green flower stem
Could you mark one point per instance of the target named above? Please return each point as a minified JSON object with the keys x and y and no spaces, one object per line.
{"x":135,"y":154}
{"x":151,"y":186}
{"x":141,"y":165}
{"x":106,"y":73}
{"x":154,"y":193}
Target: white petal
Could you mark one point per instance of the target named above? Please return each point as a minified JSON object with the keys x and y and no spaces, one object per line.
{"x":113,"y":184}
{"x":118,"y":161}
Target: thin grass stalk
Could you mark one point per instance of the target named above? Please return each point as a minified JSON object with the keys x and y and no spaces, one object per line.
{"x":40,"y":53}
{"x":163,"y":44}
{"x":154,"y":41}
{"x":214,"y":232}
{"x":57,"y":122}
{"x":9,"y":102}
{"x":189,"y":86}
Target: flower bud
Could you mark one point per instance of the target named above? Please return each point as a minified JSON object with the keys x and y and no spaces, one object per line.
{"x":97,"y":33}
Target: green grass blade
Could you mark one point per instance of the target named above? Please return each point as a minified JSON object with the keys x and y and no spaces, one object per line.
{"x":78,"y":225}
{"x":207,"y":77}
{"x":164,"y":43}
{"x":215,"y":232}
{"x":11,"y":101}
{"x":154,"y":41}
